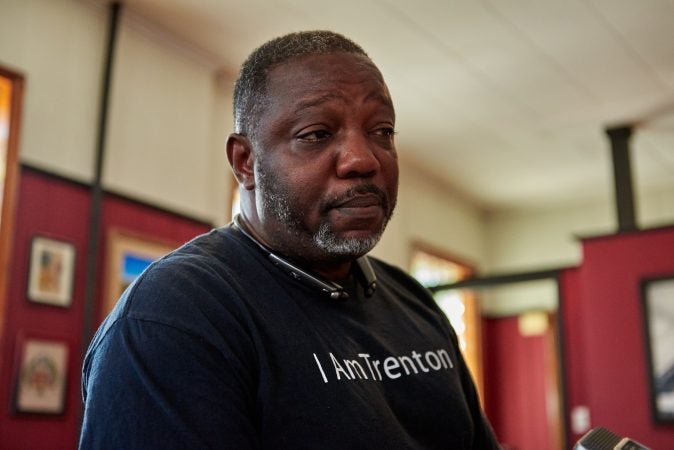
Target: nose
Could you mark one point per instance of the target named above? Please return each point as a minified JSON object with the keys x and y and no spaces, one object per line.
{"x":356,"y":157}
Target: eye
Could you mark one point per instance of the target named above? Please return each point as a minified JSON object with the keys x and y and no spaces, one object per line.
{"x":314,"y":136}
{"x":385,"y":132}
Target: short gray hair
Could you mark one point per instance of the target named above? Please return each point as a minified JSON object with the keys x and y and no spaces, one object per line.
{"x":250,"y":88}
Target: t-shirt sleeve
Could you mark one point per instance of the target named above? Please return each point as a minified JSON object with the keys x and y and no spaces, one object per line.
{"x":170,"y":384}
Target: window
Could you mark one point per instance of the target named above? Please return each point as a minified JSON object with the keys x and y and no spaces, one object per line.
{"x":431,"y":268}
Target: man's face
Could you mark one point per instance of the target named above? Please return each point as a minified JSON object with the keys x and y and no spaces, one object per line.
{"x":326,"y":170}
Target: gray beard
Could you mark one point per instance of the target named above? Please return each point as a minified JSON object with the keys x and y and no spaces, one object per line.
{"x":327,"y":241}
{"x":275,"y":202}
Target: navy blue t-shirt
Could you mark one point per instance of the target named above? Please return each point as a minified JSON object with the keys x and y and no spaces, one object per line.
{"x":213,"y":347}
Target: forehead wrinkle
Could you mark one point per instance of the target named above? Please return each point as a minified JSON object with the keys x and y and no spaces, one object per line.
{"x":313,"y":102}
{"x":307,"y":104}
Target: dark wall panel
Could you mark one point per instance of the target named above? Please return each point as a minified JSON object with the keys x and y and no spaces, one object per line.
{"x":57,"y":208}
{"x":54,"y":209}
{"x":605,"y":335}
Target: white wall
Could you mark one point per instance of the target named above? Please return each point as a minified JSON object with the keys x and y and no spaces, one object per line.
{"x":58,"y":47}
{"x":429,"y":213}
{"x":534,"y":239}
{"x":527,"y":240}
{"x":169,"y":111}
{"x":517,"y":298}
{"x":655,"y":208}
{"x":168,"y":115}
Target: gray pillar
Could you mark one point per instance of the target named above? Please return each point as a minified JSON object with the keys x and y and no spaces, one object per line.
{"x":622,"y":177}
{"x":93,"y":245}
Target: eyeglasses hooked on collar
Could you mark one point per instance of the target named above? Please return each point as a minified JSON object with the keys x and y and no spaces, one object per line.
{"x":364,"y":274}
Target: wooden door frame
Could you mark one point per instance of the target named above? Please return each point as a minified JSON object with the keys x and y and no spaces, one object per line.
{"x":9,"y":189}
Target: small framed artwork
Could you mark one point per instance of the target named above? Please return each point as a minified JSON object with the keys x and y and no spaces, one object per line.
{"x":128,"y":255}
{"x":41,"y":376}
{"x":658,"y":307}
{"x":52,"y":266}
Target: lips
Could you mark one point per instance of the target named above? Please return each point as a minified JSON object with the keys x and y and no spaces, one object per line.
{"x":361,"y":201}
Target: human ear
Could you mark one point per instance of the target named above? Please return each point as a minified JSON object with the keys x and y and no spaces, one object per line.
{"x":241,"y":158}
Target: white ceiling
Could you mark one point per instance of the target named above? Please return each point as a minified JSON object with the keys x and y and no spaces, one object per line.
{"x":504,"y":100}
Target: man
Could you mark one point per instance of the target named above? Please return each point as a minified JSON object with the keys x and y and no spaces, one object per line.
{"x":276,"y":331}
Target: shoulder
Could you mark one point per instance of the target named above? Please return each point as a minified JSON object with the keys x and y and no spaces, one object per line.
{"x":186,"y":288}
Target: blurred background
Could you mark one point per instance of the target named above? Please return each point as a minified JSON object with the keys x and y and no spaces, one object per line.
{"x":536,"y":145}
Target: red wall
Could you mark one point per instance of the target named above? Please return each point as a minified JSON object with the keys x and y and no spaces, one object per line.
{"x":58,"y":208}
{"x":606,"y":365}
{"x":515,"y":401}
{"x":574,"y":357}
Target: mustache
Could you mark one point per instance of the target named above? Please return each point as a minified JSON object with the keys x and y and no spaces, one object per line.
{"x":361,"y":189}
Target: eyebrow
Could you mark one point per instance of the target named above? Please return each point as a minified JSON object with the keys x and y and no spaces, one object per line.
{"x":383,"y":99}
{"x":310,"y":103}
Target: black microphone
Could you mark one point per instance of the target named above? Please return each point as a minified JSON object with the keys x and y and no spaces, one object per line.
{"x":602,"y":439}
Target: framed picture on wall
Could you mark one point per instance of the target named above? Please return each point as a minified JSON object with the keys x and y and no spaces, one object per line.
{"x":128,"y":255}
{"x":52,"y":266}
{"x":658,"y":307}
{"x":41,"y":376}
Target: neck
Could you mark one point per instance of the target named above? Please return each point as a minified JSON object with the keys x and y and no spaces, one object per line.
{"x":333,"y":272}
{"x":330,"y":270}
{"x":364,"y":273}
